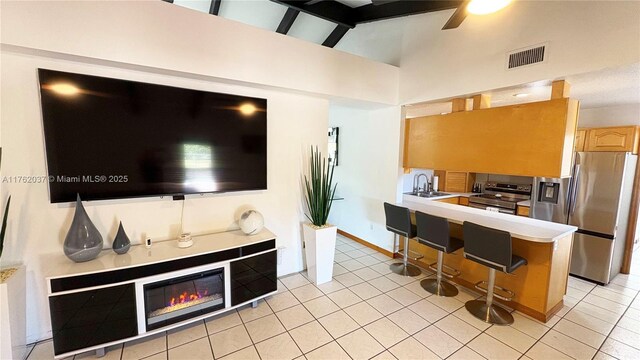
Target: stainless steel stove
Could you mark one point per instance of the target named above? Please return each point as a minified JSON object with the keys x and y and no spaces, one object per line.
{"x":501,"y":197}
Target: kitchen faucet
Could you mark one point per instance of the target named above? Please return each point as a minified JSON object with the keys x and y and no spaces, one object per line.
{"x":416,"y":182}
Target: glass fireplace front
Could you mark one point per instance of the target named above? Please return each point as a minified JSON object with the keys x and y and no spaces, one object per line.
{"x":174,"y":300}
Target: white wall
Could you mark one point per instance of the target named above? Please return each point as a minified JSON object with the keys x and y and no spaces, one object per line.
{"x":582,"y":36}
{"x":368,"y":173}
{"x":156,"y":42}
{"x":610,"y":116}
{"x":164,"y":36}
{"x":37,"y":227}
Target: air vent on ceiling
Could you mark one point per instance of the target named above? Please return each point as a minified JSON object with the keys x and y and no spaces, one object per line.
{"x":527,"y":56}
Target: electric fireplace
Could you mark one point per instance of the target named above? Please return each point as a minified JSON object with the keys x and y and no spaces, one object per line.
{"x":179,"y":298}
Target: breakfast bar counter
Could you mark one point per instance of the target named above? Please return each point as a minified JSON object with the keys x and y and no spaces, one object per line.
{"x":540,"y":285}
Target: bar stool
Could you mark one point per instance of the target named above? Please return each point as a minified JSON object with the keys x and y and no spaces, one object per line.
{"x":399,"y":222}
{"x":491,"y":248}
{"x":433,"y":231}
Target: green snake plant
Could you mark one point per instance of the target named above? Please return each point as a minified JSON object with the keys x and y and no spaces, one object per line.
{"x":320,"y":189}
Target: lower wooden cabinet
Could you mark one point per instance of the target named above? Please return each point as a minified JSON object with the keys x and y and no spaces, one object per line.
{"x":463,"y":201}
{"x":452,"y":200}
{"x":523,"y":211}
{"x":623,"y":138}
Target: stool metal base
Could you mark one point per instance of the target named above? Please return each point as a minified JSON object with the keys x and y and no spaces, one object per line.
{"x":492,"y":314}
{"x":409,"y":270}
{"x":444,"y":288}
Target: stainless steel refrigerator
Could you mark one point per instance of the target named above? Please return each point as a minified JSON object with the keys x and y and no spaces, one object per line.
{"x":596,"y":199}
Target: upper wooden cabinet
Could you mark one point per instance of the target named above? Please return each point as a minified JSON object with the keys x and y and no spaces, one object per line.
{"x":581,"y":136}
{"x":624,"y":138}
{"x":534,"y":139}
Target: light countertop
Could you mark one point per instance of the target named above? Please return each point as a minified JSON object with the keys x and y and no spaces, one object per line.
{"x":524,"y":203}
{"x":519,"y":226}
{"x":61,"y":266}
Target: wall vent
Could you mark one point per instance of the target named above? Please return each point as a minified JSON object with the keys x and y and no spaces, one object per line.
{"x":527,"y":56}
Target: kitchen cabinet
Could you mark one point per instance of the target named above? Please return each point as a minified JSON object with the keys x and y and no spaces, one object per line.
{"x":533,"y":139}
{"x":581,"y":136}
{"x":622,"y":138}
{"x":522,"y":211}
{"x":452,"y":200}
{"x":456,"y":181}
{"x":463,"y":201}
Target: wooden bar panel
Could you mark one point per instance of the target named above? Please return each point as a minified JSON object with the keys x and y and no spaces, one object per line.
{"x":539,"y":286}
{"x":533,"y":139}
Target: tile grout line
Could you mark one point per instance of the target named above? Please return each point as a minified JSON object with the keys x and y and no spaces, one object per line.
{"x":614,"y":327}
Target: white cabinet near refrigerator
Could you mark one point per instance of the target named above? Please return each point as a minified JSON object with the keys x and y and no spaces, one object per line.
{"x":596,"y":199}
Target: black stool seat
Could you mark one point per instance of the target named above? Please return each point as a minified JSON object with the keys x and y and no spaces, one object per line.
{"x":433,"y":231}
{"x":491,"y":248}
{"x":452,"y":245}
{"x":412,"y":231}
{"x":398,"y":221}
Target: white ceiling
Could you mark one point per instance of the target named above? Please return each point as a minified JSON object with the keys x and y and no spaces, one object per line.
{"x":608,"y":87}
{"x":383,"y":41}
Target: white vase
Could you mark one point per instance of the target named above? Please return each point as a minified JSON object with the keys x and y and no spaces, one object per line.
{"x":320,"y":247}
{"x":12,"y":316}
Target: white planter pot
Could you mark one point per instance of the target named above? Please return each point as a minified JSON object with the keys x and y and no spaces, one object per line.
{"x":320,"y":247}
{"x":13,"y":316}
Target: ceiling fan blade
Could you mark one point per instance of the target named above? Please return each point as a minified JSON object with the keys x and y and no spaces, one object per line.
{"x":458,"y":16}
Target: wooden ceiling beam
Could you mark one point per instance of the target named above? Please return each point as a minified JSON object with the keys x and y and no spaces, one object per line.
{"x":287,"y":21}
{"x":335,"y":36}
{"x":332,"y":11}
{"x":389,"y":10}
{"x":214,"y":9}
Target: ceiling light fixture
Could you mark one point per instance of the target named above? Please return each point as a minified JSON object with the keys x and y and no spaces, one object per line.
{"x":483,"y":7}
{"x":521,"y":95}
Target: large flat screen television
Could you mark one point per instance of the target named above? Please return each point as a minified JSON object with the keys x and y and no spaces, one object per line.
{"x":108,"y":138}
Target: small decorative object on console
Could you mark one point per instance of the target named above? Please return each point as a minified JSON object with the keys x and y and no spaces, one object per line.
{"x":83,"y":241}
{"x":121,"y":243}
{"x":185,"y":240}
{"x":251,"y":222}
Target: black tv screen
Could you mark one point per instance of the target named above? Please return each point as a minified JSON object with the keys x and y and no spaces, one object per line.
{"x":108,"y":138}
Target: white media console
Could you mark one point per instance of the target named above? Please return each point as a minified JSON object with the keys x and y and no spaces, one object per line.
{"x":117,"y":298}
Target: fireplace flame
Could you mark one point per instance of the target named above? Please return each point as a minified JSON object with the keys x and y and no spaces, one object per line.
{"x":186,"y":297}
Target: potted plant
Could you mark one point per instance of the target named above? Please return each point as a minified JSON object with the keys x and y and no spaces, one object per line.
{"x":319,"y":237}
{"x":12,"y":302}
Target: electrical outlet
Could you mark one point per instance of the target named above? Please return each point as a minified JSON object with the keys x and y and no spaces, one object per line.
{"x":370,"y":226}
{"x":280,"y":251}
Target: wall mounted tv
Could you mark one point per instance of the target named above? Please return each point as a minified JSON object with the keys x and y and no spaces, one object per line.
{"x":108,"y":138}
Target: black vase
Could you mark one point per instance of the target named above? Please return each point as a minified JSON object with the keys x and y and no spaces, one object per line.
{"x":83,"y":241}
{"x":121,"y":243}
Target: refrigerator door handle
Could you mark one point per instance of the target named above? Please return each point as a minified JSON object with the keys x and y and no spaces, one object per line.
{"x":574,"y":189}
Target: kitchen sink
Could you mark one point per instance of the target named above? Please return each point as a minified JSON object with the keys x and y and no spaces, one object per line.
{"x":427,"y":194}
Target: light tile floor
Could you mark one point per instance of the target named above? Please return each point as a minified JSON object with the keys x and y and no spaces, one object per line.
{"x":367,"y":312}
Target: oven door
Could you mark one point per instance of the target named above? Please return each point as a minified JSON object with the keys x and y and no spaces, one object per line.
{"x":490,"y":208}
